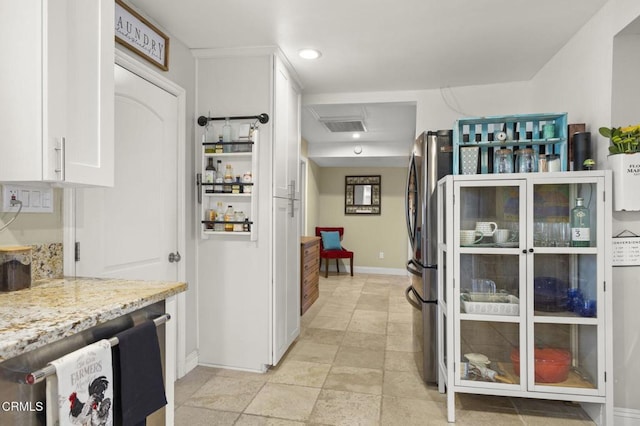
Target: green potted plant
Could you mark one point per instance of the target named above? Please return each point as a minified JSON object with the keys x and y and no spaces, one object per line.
{"x":624,"y":160}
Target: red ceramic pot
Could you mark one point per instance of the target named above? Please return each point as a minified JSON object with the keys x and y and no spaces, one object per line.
{"x":551,"y":364}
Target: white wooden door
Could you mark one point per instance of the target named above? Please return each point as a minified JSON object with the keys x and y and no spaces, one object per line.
{"x":129,"y":230}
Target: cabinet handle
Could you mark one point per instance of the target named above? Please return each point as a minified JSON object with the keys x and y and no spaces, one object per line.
{"x":530,"y":250}
{"x":524,"y":251}
{"x":62,"y":153}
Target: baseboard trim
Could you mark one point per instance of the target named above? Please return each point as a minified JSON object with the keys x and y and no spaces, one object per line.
{"x":626,"y":417}
{"x":191,"y":361}
{"x":378,"y":271}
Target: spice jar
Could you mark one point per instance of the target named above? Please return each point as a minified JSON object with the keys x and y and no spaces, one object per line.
{"x":553,"y":162}
{"x":239,"y":221}
{"x":15,"y":268}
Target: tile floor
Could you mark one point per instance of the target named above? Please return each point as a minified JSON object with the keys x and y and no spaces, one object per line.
{"x":353,"y":364}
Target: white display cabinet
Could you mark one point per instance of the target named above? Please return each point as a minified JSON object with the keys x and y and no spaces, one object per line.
{"x":523,"y":312}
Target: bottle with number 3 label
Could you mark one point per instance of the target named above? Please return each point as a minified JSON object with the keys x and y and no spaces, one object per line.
{"x":580,"y":229}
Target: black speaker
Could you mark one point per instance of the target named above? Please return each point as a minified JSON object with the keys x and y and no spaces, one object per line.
{"x":581,"y":149}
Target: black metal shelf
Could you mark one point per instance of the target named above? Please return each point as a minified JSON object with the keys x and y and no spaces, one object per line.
{"x":262,"y":118}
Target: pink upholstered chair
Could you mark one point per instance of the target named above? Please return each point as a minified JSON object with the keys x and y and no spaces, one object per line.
{"x":336,"y":253}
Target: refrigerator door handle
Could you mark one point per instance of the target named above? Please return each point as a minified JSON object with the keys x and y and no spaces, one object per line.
{"x":415,"y":303}
{"x":411,"y":267}
{"x":411,"y":224}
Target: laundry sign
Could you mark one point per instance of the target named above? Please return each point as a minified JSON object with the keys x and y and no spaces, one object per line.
{"x":140,"y":36}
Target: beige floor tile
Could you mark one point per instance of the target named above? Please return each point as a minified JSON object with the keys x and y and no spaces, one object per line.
{"x":194,"y":416}
{"x":336,"y":310}
{"x":248,"y":420}
{"x":189,"y":384}
{"x":402,"y":343}
{"x":313,"y":352}
{"x":354,"y":379}
{"x":368,"y":322}
{"x":399,"y":328}
{"x":406,"y":385}
{"x":324,"y":336}
{"x":373,"y":302}
{"x":225,"y":393}
{"x":364,"y":340}
{"x":346,"y":408}
{"x":330,"y":322}
{"x":284,"y":401}
{"x":301,"y":373}
{"x":410,"y":411}
{"x":378,"y":289}
{"x":488,"y":418}
{"x":405,"y":317}
{"x":359,"y":357}
{"x":401,"y":361}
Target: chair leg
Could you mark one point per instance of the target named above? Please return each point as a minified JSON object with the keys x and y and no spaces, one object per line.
{"x":351,"y":262}
{"x":338,"y":266}
{"x":326,"y":268}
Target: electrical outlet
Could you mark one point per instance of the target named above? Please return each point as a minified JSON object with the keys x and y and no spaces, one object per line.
{"x":35,"y":199}
{"x":381,"y":255}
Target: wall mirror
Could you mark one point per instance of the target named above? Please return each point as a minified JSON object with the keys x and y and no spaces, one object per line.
{"x":362,"y":194}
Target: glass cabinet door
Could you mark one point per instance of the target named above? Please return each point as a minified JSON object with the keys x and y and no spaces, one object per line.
{"x":489,"y":271}
{"x":565,"y":283}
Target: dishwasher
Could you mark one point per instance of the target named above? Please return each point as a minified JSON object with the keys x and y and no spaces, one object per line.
{"x":23,"y":404}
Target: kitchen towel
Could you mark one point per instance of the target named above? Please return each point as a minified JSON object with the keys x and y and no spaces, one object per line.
{"x":81,"y":391}
{"x":138,"y":370}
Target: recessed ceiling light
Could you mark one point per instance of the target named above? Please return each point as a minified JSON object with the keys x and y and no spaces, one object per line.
{"x":309,"y":53}
{"x":356,"y":136}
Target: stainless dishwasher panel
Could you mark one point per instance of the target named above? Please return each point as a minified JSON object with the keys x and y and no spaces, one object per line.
{"x":28,"y":400}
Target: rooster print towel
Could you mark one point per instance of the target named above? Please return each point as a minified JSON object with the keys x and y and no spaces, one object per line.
{"x":81,"y":391}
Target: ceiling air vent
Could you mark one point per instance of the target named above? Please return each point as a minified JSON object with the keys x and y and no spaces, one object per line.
{"x":342,"y":125}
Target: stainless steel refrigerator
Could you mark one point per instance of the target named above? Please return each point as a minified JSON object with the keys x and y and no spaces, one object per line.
{"x":431,"y":159}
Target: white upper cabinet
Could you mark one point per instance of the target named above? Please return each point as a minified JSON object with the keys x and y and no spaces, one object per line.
{"x":57,"y":80}
{"x":286,"y":133}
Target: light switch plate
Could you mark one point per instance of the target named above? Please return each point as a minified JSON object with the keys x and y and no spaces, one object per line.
{"x":35,"y":199}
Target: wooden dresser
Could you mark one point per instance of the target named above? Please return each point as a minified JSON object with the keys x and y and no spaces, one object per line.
{"x":309,"y":271}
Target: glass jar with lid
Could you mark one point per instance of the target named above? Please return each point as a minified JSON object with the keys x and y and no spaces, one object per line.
{"x":503,"y":161}
{"x":526,"y":161}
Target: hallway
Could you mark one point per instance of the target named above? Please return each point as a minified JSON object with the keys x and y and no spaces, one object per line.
{"x":352,"y":364}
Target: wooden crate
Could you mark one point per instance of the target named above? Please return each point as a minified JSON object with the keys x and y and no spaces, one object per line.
{"x":526,"y":130}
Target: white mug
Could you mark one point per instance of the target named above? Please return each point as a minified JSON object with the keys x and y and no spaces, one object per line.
{"x":487,"y":228}
{"x":501,"y":236}
{"x":468,"y":237}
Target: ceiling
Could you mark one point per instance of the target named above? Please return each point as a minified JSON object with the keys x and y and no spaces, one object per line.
{"x":382,"y":45}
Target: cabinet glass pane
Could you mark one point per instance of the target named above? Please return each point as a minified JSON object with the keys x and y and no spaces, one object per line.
{"x":485,"y":351}
{"x":489,"y":284}
{"x":565,"y":285}
{"x":487,"y":209}
{"x":566,"y":355}
{"x":552,"y":205}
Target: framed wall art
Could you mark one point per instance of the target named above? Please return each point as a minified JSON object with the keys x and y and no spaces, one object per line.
{"x":140,"y":36}
{"x":362,"y":194}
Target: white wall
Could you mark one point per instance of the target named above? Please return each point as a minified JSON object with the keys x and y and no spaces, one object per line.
{"x":579,"y":80}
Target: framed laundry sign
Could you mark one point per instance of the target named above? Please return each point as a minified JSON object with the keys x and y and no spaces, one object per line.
{"x":140,"y":36}
{"x":626,"y":250}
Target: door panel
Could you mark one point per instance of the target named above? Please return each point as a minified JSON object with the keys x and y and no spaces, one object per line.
{"x":129,"y":230}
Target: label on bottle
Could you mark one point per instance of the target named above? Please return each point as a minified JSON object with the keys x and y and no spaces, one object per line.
{"x":580,"y":234}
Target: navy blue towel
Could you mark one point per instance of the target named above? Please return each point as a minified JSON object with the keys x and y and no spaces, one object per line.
{"x":139,"y":383}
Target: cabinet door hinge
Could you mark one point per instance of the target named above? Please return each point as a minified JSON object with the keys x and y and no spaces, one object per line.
{"x":605,"y":377}
{"x":604,"y":286}
{"x":77,"y":251}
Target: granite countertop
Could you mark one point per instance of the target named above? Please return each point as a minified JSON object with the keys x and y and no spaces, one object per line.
{"x":53,"y":309}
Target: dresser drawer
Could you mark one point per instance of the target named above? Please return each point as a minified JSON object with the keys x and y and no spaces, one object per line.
{"x":309,"y":272}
